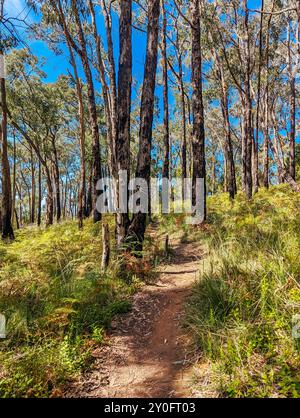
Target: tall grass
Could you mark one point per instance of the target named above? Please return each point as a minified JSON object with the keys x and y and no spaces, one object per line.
{"x":241,"y":310}
{"x":57,"y":304}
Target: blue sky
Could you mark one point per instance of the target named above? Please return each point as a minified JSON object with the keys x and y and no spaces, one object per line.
{"x":58,"y":64}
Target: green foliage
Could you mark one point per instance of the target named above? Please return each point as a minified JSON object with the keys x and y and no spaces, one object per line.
{"x":57,"y":304}
{"x":242,"y":307}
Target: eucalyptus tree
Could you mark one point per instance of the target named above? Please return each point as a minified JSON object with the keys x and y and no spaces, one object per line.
{"x":176,"y":61}
{"x":198,"y":142}
{"x":7,"y":40}
{"x":70,"y":16}
{"x":39,"y":112}
{"x":166,"y":160}
{"x":137,"y":228}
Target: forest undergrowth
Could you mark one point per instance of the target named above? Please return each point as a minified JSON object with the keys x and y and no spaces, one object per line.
{"x":59,"y":305}
{"x":243,"y":308}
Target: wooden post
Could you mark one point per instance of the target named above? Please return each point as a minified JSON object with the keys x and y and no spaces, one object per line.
{"x":106,"y":248}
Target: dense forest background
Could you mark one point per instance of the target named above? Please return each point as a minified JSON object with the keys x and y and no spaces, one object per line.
{"x":168,"y":89}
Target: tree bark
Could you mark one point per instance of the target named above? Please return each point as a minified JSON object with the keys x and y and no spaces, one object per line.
{"x":292,"y":154}
{"x":14,"y":186}
{"x":198,"y":140}
{"x":166,"y":163}
{"x":258,"y":103}
{"x":136,"y":231}
{"x":92,"y":108}
{"x":292,"y":82}
{"x":49,"y":200}
{"x":92,"y":112}
{"x":105,"y":89}
{"x":122,"y":145}
{"x":82,"y":191}
{"x":33,"y":188}
{"x":266,"y":107}
{"x":283,"y":171}
{"x":183,"y":110}
{"x":7,"y":229}
{"x":229,"y":172}
{"x":39,"y":213}
{"x":248,"y":109}
{"x":56,"y":176}
{"x":89,"y":199}
{"x":125,"y":34}
{"x":106,"y":247}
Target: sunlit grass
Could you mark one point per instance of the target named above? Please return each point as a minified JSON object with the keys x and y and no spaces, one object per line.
{"x":57,"y":304}
{"x":242,"y":307}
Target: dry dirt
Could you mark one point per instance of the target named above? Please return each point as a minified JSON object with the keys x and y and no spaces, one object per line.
{"x":148,"y":354}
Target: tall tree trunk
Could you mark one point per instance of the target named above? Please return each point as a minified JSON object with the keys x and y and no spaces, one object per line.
{"x":49,"y":200}
{"x":32,"y":168}
{"x":122,"y":146}
{"x":229,"y":172}
{"x":106,"y":247}
{"x":125,"y":32}
{"x":248,"y":108}
{"x":19,"y":190}
{"x":82,"y":191}
{"x":17,"y":218}
{"x":266,"y":141}
{"x":166,"y":163}
{"x":292,"y":153}
{"x":243,"y":141}
{"x":266,"y":106}
{"x":39,"y":213}
{"x":7,"y":229}
{"x":213,"y":172}
{"x":92,"y":111}
{"x":92,"y":108}
{"x":111,"y":131}
{"x":198,"y":141}
{"x":292,"y":82}
{"x":27,"y":187}
{"x":229,"y":158}
{"x":137,"y":228}
{"x":43,"y":161}
{"x":183,"y":115}
{"x":256,"y":141}
{"x":183,"y":110}
{"x":14,"y":187}
{"x":65,"y":209}
{"x":298,"y":29}
{"x":283,"y":171}
{"x":89,"y":199}
{"x":56,"y":176}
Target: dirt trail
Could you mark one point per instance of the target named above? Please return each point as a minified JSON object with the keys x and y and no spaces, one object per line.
{"x":148,"y":355}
